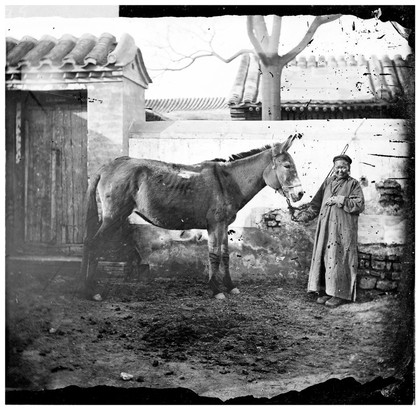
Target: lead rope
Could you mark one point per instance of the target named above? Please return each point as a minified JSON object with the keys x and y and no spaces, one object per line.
{"x":289,"y":204}
{"x":291,"y":208}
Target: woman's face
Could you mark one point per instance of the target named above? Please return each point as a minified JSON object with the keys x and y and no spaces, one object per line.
{"x":341,"y":168}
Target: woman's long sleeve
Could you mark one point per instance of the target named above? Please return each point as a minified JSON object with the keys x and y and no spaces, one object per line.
{"x":354,"y":203}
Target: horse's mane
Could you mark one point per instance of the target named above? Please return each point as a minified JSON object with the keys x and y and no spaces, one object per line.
{"x":242,"y":155}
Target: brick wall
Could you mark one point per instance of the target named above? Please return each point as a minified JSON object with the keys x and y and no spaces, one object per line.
{"x":382,"y":272}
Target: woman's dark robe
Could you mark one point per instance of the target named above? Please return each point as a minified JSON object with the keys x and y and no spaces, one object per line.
{"x":334,"y":257}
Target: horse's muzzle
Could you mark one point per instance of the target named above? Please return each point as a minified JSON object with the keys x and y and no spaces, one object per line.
{"x":296,"y":194}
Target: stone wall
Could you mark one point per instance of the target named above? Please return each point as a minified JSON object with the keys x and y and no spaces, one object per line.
{"x":380,"y":267}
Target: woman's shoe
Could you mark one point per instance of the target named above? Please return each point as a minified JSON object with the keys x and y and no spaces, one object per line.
{"x":334,"y":302}
{"x":323,"y":299}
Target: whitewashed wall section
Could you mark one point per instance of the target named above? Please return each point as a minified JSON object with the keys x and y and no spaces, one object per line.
{"x":379,"y":149}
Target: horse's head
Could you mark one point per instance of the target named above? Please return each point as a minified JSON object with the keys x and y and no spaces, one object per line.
{"x":281,"y":174}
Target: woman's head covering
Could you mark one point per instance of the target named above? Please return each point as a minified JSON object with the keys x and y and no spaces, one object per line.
{"x":343,"y":157}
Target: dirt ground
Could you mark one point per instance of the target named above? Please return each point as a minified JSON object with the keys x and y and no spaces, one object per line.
{"x":165,"y":333}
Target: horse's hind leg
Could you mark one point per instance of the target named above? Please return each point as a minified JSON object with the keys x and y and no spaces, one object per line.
{"x":227,"y":280}
{"x":90,"y":261}
{"x":214,"y":245}
{"x":93,"y":249}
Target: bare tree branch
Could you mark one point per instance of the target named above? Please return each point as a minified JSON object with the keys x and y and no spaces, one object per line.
{"x":256,"y":44}
{"x":273,"y":46}
{"x":318,"y":21}
{"x":261,"y":31}
{"x":193,"y":58}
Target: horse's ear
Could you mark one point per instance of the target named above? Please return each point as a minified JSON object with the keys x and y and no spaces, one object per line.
{"x":288,"y":143}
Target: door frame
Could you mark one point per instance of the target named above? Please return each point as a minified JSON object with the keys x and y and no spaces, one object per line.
{"x":16,"y":163}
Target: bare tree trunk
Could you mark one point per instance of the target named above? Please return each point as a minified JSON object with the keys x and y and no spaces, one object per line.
{"x":266,"y":47}
{"x":271,"y":93}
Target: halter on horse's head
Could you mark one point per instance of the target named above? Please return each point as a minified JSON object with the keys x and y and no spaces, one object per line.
{"x":281,"y":175}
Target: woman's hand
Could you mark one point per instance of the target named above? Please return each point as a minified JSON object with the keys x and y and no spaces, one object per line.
{"x":300,"y":216}
{"x":331,"y":201}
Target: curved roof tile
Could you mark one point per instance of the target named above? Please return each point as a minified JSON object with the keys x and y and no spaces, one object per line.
{"x":99,"y":54}
{"x":64,"y":45}
{"x":85,"y":54}
{"x":82,"y":48}
{"x":124,"y":52}
{"x":10,"y":44}
{"x":238,"y":87}
{"x":44,"y":46}
{"x":19,"y":51}
{"x":251,"y":85}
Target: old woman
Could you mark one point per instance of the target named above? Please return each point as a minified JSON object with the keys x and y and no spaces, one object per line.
{"x":338,"y":203}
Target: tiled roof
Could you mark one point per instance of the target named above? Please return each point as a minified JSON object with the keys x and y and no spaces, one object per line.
{"x":192,"y":108}
{"x":84,"y":57}
{"x":326,"y":81}
{"x":167,"y":105}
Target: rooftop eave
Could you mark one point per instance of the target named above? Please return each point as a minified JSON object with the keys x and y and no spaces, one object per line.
{"x":316,"y":105}
{"x":34,"y":79}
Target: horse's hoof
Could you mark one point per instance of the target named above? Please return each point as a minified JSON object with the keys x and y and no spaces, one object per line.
{"x":220,"y":296}
{"x":235,"y":291}
{"x":97,"y":297}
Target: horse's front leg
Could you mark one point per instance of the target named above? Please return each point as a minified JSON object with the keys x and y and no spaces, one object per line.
{"x":214,"y":246}
{"x":227,"y":280}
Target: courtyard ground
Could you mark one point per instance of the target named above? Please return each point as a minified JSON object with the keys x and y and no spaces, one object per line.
{"x":166,"y":333}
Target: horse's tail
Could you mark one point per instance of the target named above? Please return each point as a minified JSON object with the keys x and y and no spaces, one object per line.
{"x":92,"y":217}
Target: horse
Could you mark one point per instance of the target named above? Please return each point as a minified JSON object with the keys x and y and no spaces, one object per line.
{"x":207,"y":195}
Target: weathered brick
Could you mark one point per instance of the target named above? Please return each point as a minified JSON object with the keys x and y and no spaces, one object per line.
{"x":388,"y":266}
{"x":397,"y":266}
{"x":386,"y":285}
{"x":364,"y":261}
{"x":388,"y":275}
{"x":378,"y":264}
{"x":393,"y":258}
{"x":367,"y":282}
{"x":396,"y":275}
{"x":376,"y":273}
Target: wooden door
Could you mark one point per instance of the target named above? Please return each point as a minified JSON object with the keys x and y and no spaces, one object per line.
{"x":55,"y":169}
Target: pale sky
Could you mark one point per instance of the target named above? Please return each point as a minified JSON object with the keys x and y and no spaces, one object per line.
{"x":209,"y":77}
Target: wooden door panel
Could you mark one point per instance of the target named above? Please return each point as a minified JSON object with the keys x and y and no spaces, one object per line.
{"x":79,"y":179}
{"x":72,"y":173}
{"x":38,"y":187}
{"x":56,"y":173}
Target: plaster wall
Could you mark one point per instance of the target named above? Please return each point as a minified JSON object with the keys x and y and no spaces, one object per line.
{"x":112,"y":108}
{"x":378,"y":147}
{"x":105,"y":122}
{"x":134,"y":108}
